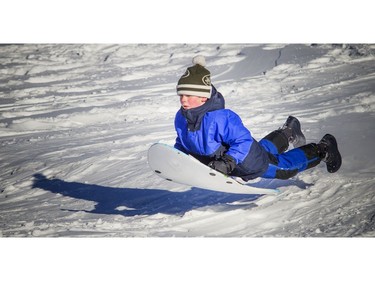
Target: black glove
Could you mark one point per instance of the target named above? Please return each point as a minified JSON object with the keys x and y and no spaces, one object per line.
{"x":225,"y":164}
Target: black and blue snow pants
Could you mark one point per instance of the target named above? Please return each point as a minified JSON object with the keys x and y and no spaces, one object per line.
{"x":286,"y":164}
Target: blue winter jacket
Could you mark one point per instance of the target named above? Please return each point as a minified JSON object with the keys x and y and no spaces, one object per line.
{"x":210,"y":131}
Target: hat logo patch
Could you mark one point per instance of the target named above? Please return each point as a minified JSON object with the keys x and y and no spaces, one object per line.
{"x":206,"y":80}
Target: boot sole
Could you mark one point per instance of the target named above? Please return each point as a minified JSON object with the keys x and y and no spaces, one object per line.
{"x":293,"y":123}
{"x":334,"y":166}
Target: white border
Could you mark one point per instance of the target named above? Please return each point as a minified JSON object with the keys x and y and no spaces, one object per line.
{"x":167,"y":21}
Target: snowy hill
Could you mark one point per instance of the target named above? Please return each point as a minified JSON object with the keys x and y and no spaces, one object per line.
{"x":76,"y":122}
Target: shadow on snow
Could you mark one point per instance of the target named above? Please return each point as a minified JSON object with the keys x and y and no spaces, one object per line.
{"x":137,"y":201}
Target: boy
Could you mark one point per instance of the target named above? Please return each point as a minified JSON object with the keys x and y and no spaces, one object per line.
{"x":216,"y":136}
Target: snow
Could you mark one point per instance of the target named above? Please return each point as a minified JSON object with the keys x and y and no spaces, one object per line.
{"x":76,"y":122}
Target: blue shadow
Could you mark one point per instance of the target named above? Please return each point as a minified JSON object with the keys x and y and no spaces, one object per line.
{"x":137,"y":201}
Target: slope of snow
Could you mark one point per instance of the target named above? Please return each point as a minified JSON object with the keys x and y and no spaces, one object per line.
{"x":76,"y":122}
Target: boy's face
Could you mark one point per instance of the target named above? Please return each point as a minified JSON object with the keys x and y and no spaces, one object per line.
{"x":189,"y":102}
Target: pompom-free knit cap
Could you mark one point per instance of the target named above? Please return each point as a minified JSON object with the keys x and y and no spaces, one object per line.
{"x":196,"y":81}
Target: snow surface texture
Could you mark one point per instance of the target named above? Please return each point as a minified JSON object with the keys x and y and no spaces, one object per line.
{"x":76,"y":122}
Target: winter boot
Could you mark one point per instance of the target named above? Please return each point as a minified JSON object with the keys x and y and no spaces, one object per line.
{"x":332,"y":158}
{"x":292,"y":129}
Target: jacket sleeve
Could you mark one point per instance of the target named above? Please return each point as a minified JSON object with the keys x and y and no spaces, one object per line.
{"x":177,"y":123}
{"x":235,"y":136}
{"x":179,"y":146}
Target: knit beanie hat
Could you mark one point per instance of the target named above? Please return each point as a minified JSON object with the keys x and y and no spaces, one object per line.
{"x":196,"y":81}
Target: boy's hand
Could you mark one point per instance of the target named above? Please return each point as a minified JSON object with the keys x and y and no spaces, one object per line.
{"x":224,"y":165}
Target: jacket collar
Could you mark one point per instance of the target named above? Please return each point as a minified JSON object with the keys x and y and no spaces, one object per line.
{"x":194,"y":116}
